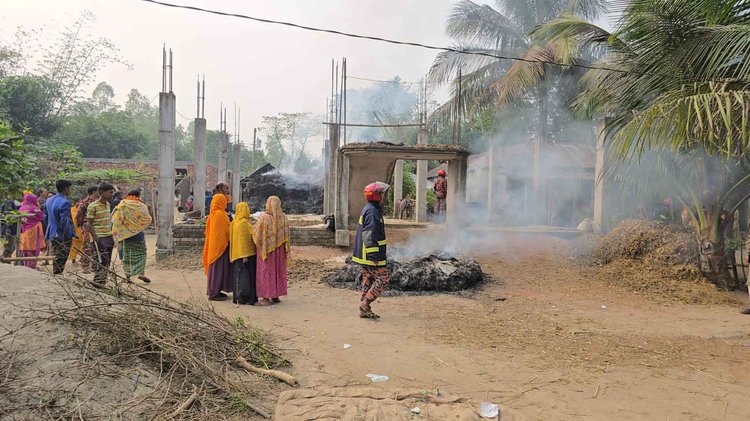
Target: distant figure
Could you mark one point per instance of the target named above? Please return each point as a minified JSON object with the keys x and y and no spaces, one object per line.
{"x":87,"y":245}
{"x":224,"y":189}
{"x":273,"y":241}
{"x":207,"y":202}
{"x":405,"y":208}
{"x":370,"y":249}
{"x":441,"y":192}
{"x":242,"y":256}
{"x":32,"y":234}
{"x":176,"y":217}
{"x":216,"y":250}
{"x":116,"y":199}
{"x":99,"y":219}
{"x":189,"y":202}
{"x":60,"y":230}
{"x":129,"y":219}
{"x":8,"y":228}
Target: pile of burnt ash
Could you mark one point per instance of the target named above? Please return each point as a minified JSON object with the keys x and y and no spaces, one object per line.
{"x":297,"y":197}
{"x":428,"y":274}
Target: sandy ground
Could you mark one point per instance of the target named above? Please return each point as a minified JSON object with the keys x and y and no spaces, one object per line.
{"x":547,"y":339}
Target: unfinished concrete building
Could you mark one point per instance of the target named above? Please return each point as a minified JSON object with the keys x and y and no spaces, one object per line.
{"x":358,"y":164}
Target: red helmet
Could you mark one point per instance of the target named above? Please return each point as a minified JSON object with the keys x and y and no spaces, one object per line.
{"x":441,"y":173}
{"x":374,"y":191}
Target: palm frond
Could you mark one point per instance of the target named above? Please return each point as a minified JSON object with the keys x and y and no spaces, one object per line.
{"x":524,"y":75}
{"x":483,"y":26}
{"x":572,"y":27}
{"x":447,"y":63}
{"x":715,"y":117}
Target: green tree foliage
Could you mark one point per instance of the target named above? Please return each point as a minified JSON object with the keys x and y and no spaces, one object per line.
{"x":13,"y":165}
{"x":25,"y":104}
{"x":111,"y":134}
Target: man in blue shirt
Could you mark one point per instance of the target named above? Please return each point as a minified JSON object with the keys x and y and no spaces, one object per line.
{"x":60,"y":228}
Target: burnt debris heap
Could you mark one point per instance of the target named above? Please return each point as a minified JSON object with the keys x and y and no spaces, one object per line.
{"x":299,"y":193}
{"x":433,"y":273}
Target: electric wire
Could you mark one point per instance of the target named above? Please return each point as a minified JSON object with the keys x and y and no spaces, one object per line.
{"x":380,"y":39}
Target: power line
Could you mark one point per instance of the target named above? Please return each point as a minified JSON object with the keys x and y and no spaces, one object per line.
{"x":374,"y":38}
{"x":395,"y":82}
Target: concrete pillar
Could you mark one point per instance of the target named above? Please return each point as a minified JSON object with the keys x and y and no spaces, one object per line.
{"x":456,"y":200}
{"x":491,"y":185}
{"x":539,"y":210}
{"x":165,"y":203}
{"x":342,"y":200}
{"x":422,"y":181}
{"x":326,"y":177}
{"x":333,"y":165}
{"x":199,"y":166}
{"x":598,"y":170}
{"x":223,"y":149}
{"x":398,"y":185}
{"x":236,"y":175}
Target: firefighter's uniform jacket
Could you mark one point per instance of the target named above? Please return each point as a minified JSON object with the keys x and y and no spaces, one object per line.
{"x":370,"y":243}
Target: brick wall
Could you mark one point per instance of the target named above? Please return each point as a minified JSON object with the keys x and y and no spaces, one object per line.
{"x":188,"y":238}
{"x":152,"y":168}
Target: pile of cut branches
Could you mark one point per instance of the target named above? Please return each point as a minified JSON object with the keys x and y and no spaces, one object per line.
{"x":203,"y":365}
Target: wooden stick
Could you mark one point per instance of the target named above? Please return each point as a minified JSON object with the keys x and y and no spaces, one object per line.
{"x":284,"y":377}
{"x":25,"y":259}
{"x":260,"y":411}
{"x":185,"y":405}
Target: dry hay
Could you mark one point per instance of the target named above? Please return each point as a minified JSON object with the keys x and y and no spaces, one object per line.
{"x":651,"y":259}
{"x":125,"y":352}
{"x":636,"y":239}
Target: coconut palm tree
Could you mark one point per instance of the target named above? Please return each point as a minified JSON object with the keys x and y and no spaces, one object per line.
{"x":528,"y":84}
{"x":504,"y":31}
{"x":676,"y":78}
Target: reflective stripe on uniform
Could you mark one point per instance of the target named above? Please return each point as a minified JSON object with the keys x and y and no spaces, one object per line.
{"x":382,"y":243}
{"x":368,"y":262}
{"x":372,"y":249}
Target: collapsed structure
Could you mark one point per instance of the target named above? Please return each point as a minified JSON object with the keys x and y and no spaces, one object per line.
{"x":303,"y":195}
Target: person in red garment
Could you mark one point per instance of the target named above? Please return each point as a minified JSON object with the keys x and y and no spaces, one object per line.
{"x":441,"y":192}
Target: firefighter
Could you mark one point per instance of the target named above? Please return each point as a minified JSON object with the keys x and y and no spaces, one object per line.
{"x":441,"y":192}
{"x":370,"y":249}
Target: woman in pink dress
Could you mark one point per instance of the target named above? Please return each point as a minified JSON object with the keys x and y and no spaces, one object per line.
{"x":272,"y":239}
{"x":32,"y":233}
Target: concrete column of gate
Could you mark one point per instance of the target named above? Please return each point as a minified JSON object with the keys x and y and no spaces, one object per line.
{"x":398,"y":185}
{"x":333,"y":170}
{"x":422,"y":181}
{"x":223,"y":148}
{"x":165,"y":202}
{"x":199,"y":166}
{"x":342,"y":200}
{"x":326,"y":178}
{"x":236,"y":162}
{"x":598,"y":170}
{"x":456,"y":200}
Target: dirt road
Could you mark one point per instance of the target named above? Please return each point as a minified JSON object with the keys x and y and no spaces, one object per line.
{"x":550,"y":340}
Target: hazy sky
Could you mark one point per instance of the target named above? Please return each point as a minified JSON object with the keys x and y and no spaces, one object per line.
{"x":264,"y":68}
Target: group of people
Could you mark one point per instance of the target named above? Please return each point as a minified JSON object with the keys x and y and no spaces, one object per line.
{"x":245,"y":259}
{"x":249,"y":261}
{"x":87,"y":230}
